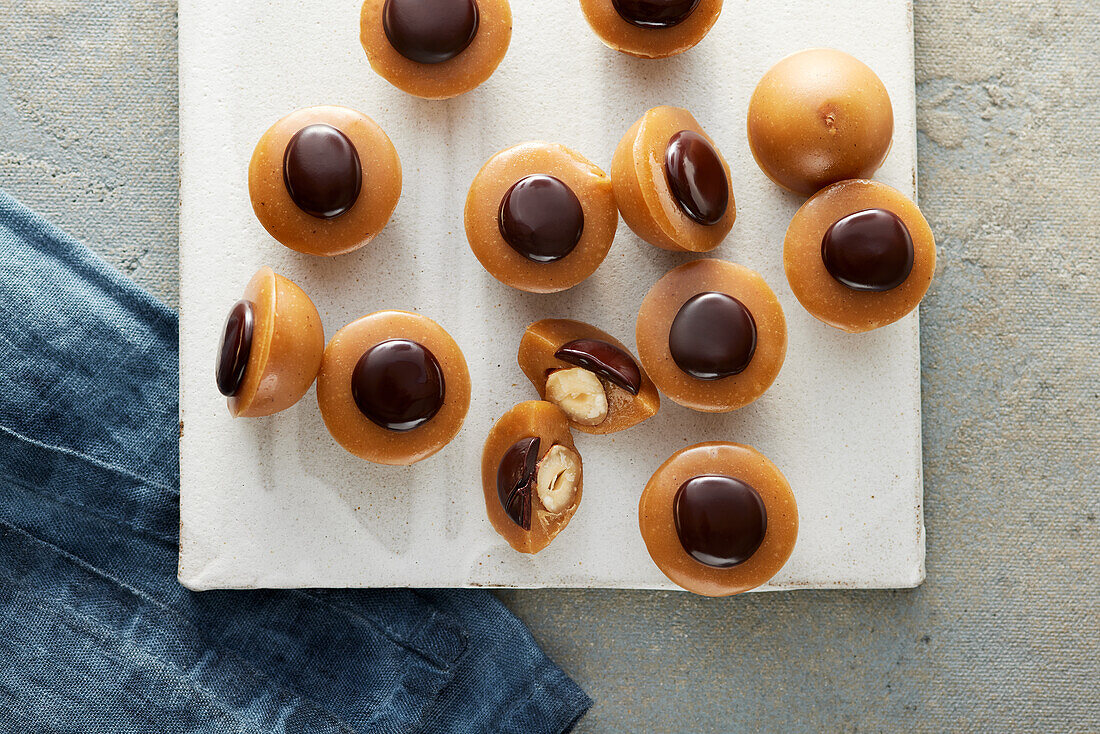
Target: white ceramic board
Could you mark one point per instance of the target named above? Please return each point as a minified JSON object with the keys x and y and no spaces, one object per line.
{"x":275,"y":502}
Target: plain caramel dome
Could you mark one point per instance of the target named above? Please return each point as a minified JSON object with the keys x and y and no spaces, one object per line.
{"x":537,"y":349}
{"x":287,"y":342}
{"x":642,"y":190}
{"x":817,"y":117}
{"x":826,"y":298}
{"x":530,"y":419}
{"x":657,"y":523}
{"x":376,"y":200}
{"x":592,"y":188}
{"x":665,"y":300}
{"x":357,"y":433}
{"x":651,"y":43}
{"x":450,"y":78}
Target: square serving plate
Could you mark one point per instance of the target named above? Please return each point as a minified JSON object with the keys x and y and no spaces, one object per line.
{"x":275,"y":502}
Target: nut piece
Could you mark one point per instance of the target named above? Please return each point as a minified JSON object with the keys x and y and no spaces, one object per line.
{"x":558,"y":475}
{"x":580,"y":395}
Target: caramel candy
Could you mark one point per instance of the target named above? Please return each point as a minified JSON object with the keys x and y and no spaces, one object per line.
{"x":718,"y":518}
{"x":270,"y":349}
{"x":817,"y":117}
{"x":435,"y":49}
{"x":531,"y":474}
{"x":712,"y":335}
{"x":324,"y":180}
{"x":393,"y":388}
{"x":589,"y":374}
{"x":540,"y":217}
{"x":651,"y":29}
{"x":671,"y":184}
{"x":859,"y":255}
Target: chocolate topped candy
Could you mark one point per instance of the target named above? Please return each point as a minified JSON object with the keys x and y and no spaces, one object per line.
{"x":435,"y":49}
{"x":720,"y":520}
{"x":235,"y":347}
{"x":398,"y":384}
{"x":655,"y":13}
{"x":859,"y":255}
{"x":430,"y":31}
{"x":516,"y":480}
{"x":712,"y":336}
{"x":605,"y":359}
{"x":697,"y":177}
{"x":651,"y":29}
{"x":868,"y":251}
{"x":531,"y":475}
{"x":589,"y":374}
{"x":306,"y":180}
{"x":541,"y":218}
{"x":686,"y":203}
{"x":321,"y":171}
{"x":270,"y":347}
{"x":394,"y":387}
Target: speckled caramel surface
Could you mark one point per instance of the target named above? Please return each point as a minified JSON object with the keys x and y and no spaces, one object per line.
{"x":536,"y":358}
{"x":355,"y":431}
{"x":299,"y":231}
{"x":453,"y":77}
{"x":287,"y":342}
{"x":828,"y":299}
{"x":655,"y":517}
{"x":649,"y":43}
{"x":1001,"y":641}
{"x":663,"y":302}
{"x":641,"y":185}
{"x":587,"y":181}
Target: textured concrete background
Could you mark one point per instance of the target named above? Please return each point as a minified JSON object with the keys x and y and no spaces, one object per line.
{"x":1004,"y":634}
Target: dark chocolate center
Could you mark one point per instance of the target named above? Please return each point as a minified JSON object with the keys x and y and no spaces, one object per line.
{"x":720,"y":520}
{"x":713,"y":336}
{"x":696,"y":177}
{"x":541,"y":218}
{"x":868,"y":251}
{"x":516,"y":479}
{"x":430,"y":31}
{"x":398,"y":384}
{"x":655,"y":13}
{"x":321,"y":171}
{"x":235,"y":347}
{"x":605,"y":360}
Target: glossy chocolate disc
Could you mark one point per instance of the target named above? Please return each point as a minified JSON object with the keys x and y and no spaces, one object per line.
{"x":516,"y":479}
{"x":605,"y":360}
{"x":398,"y":384}
{"x":868,"y":251}
{"x":713,"y":336}
{"x":655,"y":13}
{"x":720,"y":520}
{"x":696,"y":177}
{"x":541,"y":218}
{"x":235,"y":348}
{"x":321,"y":171}
{"x":430,"y":31}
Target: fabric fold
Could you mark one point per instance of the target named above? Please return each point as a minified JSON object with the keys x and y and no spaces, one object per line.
{"x":96,"y":633}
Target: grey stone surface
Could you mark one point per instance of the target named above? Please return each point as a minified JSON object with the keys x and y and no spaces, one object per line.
{"x":1004,"y":634}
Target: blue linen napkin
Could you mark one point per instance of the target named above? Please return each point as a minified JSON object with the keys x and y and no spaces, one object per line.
{"x":97,"y":636}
